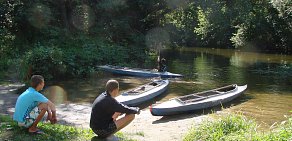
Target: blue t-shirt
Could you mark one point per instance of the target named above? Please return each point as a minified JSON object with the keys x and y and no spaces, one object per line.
{"x":26,"y":102}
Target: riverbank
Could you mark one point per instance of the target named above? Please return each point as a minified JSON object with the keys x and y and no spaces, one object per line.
{"x":145,"y":127}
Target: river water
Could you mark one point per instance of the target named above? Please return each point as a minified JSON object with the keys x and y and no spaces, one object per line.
{"x":267,"y":99}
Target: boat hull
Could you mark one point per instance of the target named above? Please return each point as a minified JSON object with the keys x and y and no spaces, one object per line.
{"x":136,"y":99}
{"x":138,"y":72}
{"x":174,"y":106}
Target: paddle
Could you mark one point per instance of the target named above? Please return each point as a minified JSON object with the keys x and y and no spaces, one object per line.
{"x":177,"y":80}
{"x":186,"y":82}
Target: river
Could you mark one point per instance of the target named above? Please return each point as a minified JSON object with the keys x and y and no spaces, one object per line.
{"x":269,"y":78}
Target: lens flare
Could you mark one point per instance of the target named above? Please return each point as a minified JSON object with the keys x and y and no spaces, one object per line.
{"x":39,"y":15}
{"x":173,"y":4}
{"x":83,"y":17}
{"x":56,"y":94}
{"x":157,"y":38}
{"x":112,"y":5}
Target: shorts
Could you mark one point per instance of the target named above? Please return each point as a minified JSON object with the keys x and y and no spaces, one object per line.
{"x":103,"y":133}
{"x":29,"y":120}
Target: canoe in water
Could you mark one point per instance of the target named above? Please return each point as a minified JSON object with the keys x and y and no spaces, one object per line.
{"x":138,"y":72}
{"x":143,"y":93}
{"x":197,"y":101}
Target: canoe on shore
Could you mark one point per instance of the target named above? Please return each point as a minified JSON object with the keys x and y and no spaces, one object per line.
{"x":143,"y":93}
{"x":197,"y":101}
{"x":138,"y":72}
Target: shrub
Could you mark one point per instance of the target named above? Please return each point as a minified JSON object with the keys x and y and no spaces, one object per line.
{"x":44,"y":60}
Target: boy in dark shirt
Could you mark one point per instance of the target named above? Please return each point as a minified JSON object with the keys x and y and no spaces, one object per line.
{"x":106,"y":109}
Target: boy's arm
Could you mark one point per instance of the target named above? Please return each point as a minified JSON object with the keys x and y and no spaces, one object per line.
{"x":53,"y":112}
{"x":121,"y":108}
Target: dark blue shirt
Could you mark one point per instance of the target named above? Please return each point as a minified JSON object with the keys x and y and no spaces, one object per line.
{"x":103,"y":108}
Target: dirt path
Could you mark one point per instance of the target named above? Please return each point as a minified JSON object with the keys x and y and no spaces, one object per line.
{"x":145,"y":127}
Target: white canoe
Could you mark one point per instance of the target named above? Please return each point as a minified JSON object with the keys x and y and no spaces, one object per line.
{"x":198,"y":101}
{"x":143,"y":93}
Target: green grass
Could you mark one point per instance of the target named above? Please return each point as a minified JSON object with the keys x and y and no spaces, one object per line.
{"x":10,"y":131}
{"x":236,"y":127}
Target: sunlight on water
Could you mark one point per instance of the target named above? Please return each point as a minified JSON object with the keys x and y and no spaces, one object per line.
{"x":269,"y":78}
{"x":266,"y":108}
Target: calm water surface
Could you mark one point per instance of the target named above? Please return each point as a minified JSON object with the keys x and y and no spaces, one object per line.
{"x":269,"y":78}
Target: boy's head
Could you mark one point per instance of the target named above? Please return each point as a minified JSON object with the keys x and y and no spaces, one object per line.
{"x":37,"y":82}
{"x":112,"y":87}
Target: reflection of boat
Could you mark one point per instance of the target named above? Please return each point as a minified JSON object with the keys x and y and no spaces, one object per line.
{"x":138,"y":72}
{"x":143,"y":93}
{"x":198,"y":101}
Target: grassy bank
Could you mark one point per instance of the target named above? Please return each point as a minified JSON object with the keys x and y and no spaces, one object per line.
{"x":237,"y":127}
{"x":9,"y":131}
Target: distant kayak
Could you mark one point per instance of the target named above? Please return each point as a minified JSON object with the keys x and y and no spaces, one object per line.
{"x":197,"y":101}
{"x":138,"y":72}
{"x":143,"y":93}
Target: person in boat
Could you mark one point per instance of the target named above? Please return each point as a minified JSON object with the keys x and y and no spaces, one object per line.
{"x":161,"y":64}
{"x":31,"y":106}
{"x":106,"y":110}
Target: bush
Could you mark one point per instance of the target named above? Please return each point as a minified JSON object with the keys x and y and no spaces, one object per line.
{"x":44,"y":60}
{"x":81,"y":61}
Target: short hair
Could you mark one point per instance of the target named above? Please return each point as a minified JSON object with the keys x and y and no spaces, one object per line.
{"x":111,"y":85}
{"x":36,"y":80}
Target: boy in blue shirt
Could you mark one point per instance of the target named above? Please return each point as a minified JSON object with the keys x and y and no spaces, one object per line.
{"x":31,"y":106}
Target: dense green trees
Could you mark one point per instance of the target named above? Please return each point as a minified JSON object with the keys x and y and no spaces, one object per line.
{"x":70,"y":37}
{"x":252,"y":24}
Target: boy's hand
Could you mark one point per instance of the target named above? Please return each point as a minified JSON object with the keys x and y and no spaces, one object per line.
{"x":49,"y":117}
{"x":53,"y":119}
{"x":116,"y":115}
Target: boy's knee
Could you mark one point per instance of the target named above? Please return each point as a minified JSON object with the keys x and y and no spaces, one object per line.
{"x":43,"y":106}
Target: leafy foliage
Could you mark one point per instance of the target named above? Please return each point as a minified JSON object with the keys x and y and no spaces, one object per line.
{"x":253,"y":25}
{"x":44,"y":60}
{"x":87,"y":33}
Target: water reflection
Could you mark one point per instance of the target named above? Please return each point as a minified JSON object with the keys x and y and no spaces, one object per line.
{"x":269,"y":79}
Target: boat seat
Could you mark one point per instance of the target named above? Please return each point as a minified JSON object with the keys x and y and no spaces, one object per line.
{"x":142,"y":89}
{"x":190,"y":98}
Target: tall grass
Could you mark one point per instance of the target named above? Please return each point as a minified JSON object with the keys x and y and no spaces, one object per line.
{"x":236,"y":127}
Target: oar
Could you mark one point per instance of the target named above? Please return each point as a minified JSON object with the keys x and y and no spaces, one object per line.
{"x":186,"y":82}
{"x":174,"y":80}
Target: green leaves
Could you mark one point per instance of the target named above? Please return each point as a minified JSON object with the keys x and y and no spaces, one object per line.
{"x":44,"y":60}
